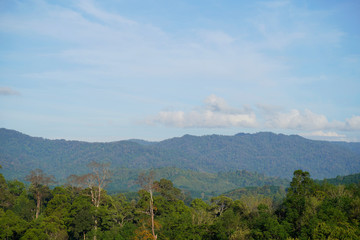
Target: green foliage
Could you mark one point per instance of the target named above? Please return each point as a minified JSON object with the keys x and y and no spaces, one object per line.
{"x":319,"y":211}
{"x":34,"y":234}
{"x":81,"y":216}
{"x":275,"y":193}
{"x":11,"y":225}
{"x":308,"y":211}
{"x":6,"y":199}
{"x":24,"y":206}
{"x":342,"y":180}
{"x":265,"y":225}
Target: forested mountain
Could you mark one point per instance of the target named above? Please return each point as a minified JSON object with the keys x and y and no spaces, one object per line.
{"x":267,"y":153}
{"x":197,"y":184}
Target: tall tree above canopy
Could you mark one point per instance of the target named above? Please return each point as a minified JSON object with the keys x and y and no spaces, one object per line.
{"x":297,"y":207}
{"x":39,"y":183}
{"x":301,"y":183}
{"x":148,"y":184}
{"x":96,"y":181}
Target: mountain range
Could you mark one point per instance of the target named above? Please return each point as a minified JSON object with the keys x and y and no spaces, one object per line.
{"x":275,"y":155}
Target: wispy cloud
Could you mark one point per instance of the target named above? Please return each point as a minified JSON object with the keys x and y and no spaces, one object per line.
{"x":107,"y":41}
{"x":283,"y":24}
{"x":89,"y":8}
{"x":127,"y":47}
{"x":6,"y":91}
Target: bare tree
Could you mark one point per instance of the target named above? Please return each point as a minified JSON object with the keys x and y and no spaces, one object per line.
{"x":39,"y":182}
{"x":96,"y":181}
{"x":148,"y":184}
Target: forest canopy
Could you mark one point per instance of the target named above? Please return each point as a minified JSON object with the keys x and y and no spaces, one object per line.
{"x":309,"y":210}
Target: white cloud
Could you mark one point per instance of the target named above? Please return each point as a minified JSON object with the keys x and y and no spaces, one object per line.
{"x":306,"y":121}
{"x":214,"y":114}
{"x":324,"y":134}
{"x":353,"y":123}
{"x":217,"y":113}
{"x":295,"y":119}
{"x":6,"y":91}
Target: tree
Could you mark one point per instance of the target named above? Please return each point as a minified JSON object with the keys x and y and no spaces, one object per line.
{"x":264,"y":225}
{"x":5,"y":195}
{"x":220,"y":204}
{"x":200,"y":214}
{"x":96,"y":181}
{"x":121,"y":210}
{"x":24,"y":207}
{"x":148,"y":184}
{"x":82,"y":214}
{"x":301,"y":184}
{"x":39,"y":184}
{"x":11,"y":225}
{"x":299,"y":207}
{"x":167,"y":190}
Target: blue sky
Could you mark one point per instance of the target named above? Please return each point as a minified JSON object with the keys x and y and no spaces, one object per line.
{"x":114,"y":70}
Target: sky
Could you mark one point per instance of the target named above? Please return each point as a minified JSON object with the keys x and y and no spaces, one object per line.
{"x":103,"y":71}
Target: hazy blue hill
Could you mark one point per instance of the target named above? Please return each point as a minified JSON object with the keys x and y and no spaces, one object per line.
{"x":352,"y":146}
{"x":266,"y":153}
{"x":20,"y":153}
{"x":272,"y":154}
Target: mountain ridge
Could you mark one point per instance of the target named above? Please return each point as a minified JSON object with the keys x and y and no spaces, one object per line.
{"x":265,"y":152}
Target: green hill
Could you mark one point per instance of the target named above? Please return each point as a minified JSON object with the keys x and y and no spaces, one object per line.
{"x":266,"y":153}
{"x":198,"y":184}
{"x":343,"y":180}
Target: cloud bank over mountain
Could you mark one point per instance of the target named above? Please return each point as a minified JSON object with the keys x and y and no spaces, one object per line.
{"x":216,"y":113}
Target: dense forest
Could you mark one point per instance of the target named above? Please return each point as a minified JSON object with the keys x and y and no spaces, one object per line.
{"x":82,"y":209}
{"x":275,"y":155}
{"x":197,"y":184}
